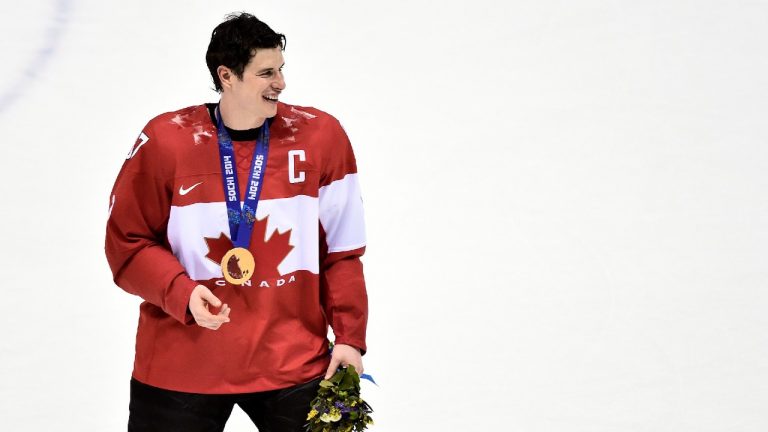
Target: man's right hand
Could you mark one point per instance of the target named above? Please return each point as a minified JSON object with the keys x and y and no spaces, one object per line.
{"x":199,"y":301}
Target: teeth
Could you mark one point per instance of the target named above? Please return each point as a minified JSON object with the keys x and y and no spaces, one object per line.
{"x":272,"y":98}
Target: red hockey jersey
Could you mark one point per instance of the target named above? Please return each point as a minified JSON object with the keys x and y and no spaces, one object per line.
{"x":168,"y":231}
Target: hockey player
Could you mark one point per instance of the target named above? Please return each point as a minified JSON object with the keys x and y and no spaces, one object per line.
{"x":240,"y":225}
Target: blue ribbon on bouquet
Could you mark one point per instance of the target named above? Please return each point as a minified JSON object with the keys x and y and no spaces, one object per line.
{"x":369,"y":378}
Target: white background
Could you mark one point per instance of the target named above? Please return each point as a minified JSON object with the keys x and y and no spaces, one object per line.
{"x":566,"y":202}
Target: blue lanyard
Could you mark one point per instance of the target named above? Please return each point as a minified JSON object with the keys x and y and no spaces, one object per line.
{"x":240,"y":233}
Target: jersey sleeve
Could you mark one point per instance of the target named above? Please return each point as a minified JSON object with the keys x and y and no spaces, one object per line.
{"x":136,"y":245}
{"x":342,"y":239}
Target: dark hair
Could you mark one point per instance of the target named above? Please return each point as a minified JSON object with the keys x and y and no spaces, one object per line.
{"x":235,"y":41}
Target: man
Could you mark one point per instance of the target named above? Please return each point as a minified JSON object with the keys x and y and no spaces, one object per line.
{"x":240,"y":225}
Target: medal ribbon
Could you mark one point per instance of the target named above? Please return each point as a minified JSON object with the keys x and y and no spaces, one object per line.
{"x":241,"y":219}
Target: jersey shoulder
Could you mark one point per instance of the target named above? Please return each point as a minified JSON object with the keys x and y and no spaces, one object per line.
{"x":180,"y":122}
{"x":304,"y":119}
{"x":309,"y":125}
{"x":301,"y":113}
{"x":178,"y":130}
{"x":168,"y":135}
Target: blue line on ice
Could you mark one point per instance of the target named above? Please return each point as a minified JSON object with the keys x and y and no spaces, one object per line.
{"x":35,"y":67}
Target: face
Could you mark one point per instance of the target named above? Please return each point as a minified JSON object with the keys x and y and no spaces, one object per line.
{"x":256,"y":93}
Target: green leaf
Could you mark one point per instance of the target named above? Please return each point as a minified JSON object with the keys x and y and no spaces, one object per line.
{"x":347,"y":383}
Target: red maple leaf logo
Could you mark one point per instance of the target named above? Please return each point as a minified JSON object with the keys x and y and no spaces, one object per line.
{"x":267,"y":253}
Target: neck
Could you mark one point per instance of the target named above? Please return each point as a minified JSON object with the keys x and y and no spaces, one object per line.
{"x":236,"y":118}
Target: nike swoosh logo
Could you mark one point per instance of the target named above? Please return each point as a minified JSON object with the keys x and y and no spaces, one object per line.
{"x":183,"y":191}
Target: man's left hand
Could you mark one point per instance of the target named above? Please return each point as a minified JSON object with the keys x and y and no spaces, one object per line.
{"x":344,"y":355}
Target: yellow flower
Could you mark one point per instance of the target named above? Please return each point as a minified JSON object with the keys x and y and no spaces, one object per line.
{"x":312,"y":414}
{"x":334,"y":415}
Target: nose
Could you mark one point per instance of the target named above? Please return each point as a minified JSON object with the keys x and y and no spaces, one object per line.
{"x":279,"y":83}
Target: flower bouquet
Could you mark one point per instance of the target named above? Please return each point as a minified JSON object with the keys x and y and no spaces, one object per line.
{"x":338,"y":406}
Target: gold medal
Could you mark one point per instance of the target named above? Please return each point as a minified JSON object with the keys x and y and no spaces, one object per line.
{"x":237,"y":266}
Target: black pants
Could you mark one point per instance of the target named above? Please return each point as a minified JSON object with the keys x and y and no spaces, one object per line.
{"x":158,"y":410}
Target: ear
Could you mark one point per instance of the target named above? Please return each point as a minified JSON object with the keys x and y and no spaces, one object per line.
{"x":226,"y":76}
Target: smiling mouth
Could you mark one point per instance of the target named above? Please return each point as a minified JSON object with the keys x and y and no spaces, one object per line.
{"x":272,"y":99}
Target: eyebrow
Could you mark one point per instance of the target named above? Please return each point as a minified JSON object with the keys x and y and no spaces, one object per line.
{"x":269,"y":69}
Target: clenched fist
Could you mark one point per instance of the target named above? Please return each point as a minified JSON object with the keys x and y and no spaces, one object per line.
{"x":344,"y":355}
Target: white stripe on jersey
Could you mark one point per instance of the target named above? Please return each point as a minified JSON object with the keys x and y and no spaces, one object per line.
{"x":339,"y":208}
{"x":188,"y":225}
{"x":341,"y":214}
